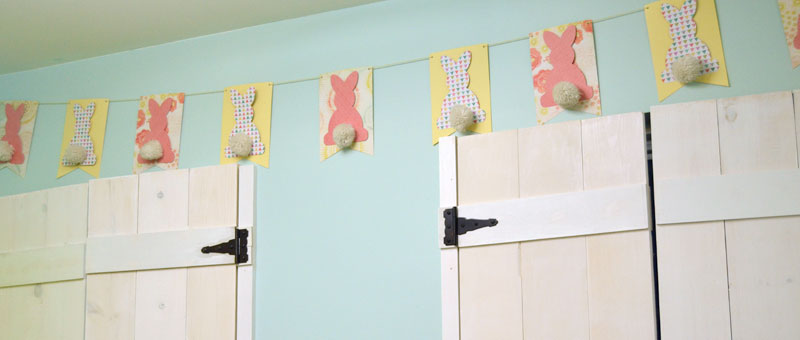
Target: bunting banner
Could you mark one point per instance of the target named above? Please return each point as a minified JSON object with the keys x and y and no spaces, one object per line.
{"x":790,"y":15}
{"x":84,"y":134}
{"x":564,"y":53}
{"x":460,"y":79}
{"x":679,"y":28}
{"x":345,"y":101}
{"x":158,"y":132}
{"x":246,"y":119}
{"x":16,"y":133}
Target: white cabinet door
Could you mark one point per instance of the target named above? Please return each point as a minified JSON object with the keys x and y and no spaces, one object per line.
{"x":122,"y":258}
{"x":727,"y":184}
{"x":570,"y":255}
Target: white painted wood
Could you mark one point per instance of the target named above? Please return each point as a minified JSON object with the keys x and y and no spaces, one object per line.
{"x":619,"y":265}
{"x":244,"y":303}
{"x":491,"y":293}
{"x":554,"y":289}
{"x":490,"y":288}
{"x":448,"y":197}
{"x":172,"y":249}
{"x":161,"y":304}
{"x":211,"y":303}
{"x":211,"y":291}
{"x":601,"y":211}
{"x":66,"y":215}
{"x":111,"y":298}
{"x":41,"y":265}
{"x":757,"y":134}
{"x":735,"y":196}
{"x":550,"y":159}
{"x":29,"y":220}
{"x":110,"y":306}
{"x":6,"y":224}
{"x":686,"y":143}
{"x":161,"y":294}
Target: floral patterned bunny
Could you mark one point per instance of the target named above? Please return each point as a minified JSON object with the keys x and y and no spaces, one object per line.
{"x":13,"y":124}
{"x":83,"y":119}
{"x":562,"y":57}
{"x":159,"y":130}
{"x":683,"y":30}
{"x":459,"y":92}
{"x":243,"y":114}
{"x":345,"y":113}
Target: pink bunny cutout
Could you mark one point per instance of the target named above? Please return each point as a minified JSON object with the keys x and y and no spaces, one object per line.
{"x":13,"y":124}
{"x":562,"y":57}
{"x":243,"y":114}
{"x":458,"y":90}
{"x":345,"y":113}
{"x":683,"y":30}
{"x":159,"y":130}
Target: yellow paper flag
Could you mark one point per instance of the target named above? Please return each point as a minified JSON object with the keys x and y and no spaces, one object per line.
{"x":84,"y":127}
{"x":678,"y":28}
{"x":247,"y":109}
{"x":460,"y":77}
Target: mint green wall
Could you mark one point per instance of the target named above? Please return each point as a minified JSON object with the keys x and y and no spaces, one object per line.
{"x":347,"y":247}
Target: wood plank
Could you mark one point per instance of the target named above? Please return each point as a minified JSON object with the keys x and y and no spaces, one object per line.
{"x":757,"y":134}
{"x":490,"y":288}
{"x":211,"y":303}
{"x":6,"y":224}
{"x":796,"y":96}
{"x":211,"y":292}
{"x":27,"y":316}
{"x":554,"y":300}
{"x":63,"y":310}
{"x":111,"y":298}
{"x":487,"y":167}
{"x":619,"y":267}
{"x":605,"y":210}
{"x":110,"y":306}
{"x":247,"y":196}
{"x":161,"y":304}
{"x":171,"y":249}
{"x":735,"y":196}
{"x":448,"y":197}
{"x":213,"y":194}
{"x":113,"y":208}
{"x":163,"y":201}
{"x":491,"y":294}
{"x":42,"y":265}
{"x":161,"y":294}
{"x":29,"y":220}
{"x":621,"y":296}
{"x":550,"y":159}
{"x":245,"y":307}
{"x":685,"y":144}
{"x":67,"y":209}
{"x":554,"y":283}
{"x":614,"y":151}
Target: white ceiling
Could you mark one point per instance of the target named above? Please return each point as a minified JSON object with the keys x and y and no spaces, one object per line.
{"x":38,"y":33}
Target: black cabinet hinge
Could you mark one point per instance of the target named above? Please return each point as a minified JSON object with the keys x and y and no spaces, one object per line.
{"x":454,"y":225}
{"x":236,"y":247}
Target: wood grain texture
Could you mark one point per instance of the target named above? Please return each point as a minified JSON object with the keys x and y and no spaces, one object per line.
{"x":29,"y":220}
{"x":554,"y":278}
{"x":42,"y":265}
{"x":488,"y":167}
{"x":211,"y":291}
{"x":111,"y":298}
{"x":757,"y":133}
{"x":448,"y":197}
{"x":490,"y":288}
{"x":620,"y":275}
{"x":491,"y":294}
{"x":6,"y":224}
{"x":161,"y":294}
{"x":66,"y":215}
{"x":686,"y":144}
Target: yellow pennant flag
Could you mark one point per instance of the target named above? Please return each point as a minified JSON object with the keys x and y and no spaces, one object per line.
{"x":246,"y":115}
{"x":679,"y":28}
{"x":84,"y":132}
